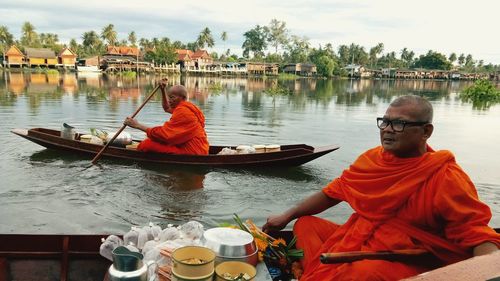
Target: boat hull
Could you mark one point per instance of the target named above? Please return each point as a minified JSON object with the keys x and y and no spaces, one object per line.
{"x":290,"y":155}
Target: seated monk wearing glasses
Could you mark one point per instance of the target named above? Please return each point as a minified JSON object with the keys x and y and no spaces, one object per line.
{"x":184,"y":133}
{"x":405,"y":195}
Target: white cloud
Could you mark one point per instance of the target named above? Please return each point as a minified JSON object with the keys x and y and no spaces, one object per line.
{"x":446,"y":26}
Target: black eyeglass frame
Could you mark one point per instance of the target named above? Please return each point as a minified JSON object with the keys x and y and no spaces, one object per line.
{"x":380,"y":120}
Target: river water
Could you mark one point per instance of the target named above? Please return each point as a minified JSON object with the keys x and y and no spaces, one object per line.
{"x":43,"y":191}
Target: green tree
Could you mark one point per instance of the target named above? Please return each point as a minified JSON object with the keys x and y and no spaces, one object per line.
{"x":461,"y":59}
{"x":132,"y":38}
{"x":161,"y":51}
{"x":469,"y":61}
{"x":108,"y":33}
{"x":74,"y":46}
{"x":325,"y":66}
{"x":92,"y":45}
{"x":297,"y":49}
{"x":407,"y":57}
{"x":255,"y":41}
{"x":205,"y":38}
{"x":6,"y":39}
{"x":433,"y":60}
{"x":452,"y":58}
{"x":223,"y":36}
{"x":29,"y":36}
{"x":375,"y":52}
{"x":277,"y":34}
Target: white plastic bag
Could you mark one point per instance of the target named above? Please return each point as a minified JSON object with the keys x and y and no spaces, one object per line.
{"x":123,"y":138}
{"x":169,"y":233}
{"x":155,"y":230}
{"x":192,"y":230}
{"x":227,"y":151}
{"x":108,"y":245}
{"x":150,"y":245}
{"x":131,"y":236}
{"x":142,"y":238}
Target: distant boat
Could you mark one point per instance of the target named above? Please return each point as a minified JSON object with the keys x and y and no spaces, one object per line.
{"x":90,"y":68}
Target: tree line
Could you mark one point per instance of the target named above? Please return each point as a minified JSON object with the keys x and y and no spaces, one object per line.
{"x":268,"y":43}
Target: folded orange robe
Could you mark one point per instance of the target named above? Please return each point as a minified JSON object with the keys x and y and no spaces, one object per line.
{"x":394,"y":200}
{"x":184,"y":133}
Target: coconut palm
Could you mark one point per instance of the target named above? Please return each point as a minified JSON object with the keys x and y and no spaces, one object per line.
{"x":91,"y":42}
{"x":132,"y":38}
{"x":205,"y":38}
{"x":109,"y":34}
{"x":6,"y":39}
{"x":29,"y":37}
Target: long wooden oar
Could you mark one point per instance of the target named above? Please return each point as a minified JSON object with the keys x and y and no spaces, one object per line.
{"x":96,"y":158}
{"x":343,"y":257}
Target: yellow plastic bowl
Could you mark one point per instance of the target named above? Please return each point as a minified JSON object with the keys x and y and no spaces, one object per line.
{"x":186,"y":270}
{"x":234,"y":268}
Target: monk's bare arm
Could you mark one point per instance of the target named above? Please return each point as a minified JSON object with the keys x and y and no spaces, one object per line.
{"x":135,"y":124}
{"x":312,"y":205}
{"x":485,"y":249}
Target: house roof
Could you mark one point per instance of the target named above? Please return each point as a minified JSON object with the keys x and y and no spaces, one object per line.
{"x":200,"y":54}
{"x":123,"y":50}
{"x":67,"y":53}
{"x":40,"y":53}
{"x":14,"y":51}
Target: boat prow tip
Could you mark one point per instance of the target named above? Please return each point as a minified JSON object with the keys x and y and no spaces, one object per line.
{"x":21,"y":132}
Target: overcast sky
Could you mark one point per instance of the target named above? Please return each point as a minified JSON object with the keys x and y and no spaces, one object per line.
{"x":441,"y":25}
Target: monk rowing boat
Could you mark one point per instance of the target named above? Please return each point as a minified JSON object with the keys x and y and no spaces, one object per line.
{"x":290,"y":155}
{"x":76,"y":257}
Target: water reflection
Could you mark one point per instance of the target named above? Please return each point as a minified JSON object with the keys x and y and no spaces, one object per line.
{"x":99,"y":87}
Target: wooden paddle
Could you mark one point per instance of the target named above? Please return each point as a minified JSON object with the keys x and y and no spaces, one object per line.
{"x":343,"y":257}
{"x":96,"y":158}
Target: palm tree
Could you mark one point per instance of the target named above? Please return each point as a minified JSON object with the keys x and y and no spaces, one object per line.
{"x":6,"y":39}
{"x":91,"y":42}
{"x":223,"y":37}
{"x":29,"y":37}
{"x":205,"y":38}
{"x":132,"y":39}
{"x":374,"y":52}
{"x":109,"y":34}
{"x":452,"y":58}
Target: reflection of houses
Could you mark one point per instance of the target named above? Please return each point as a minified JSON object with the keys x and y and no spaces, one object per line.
{"x":304,"y":69}
{"x":16,"y":82}
{"x":260,"y":68}
{"x":14,"y":57}
{"x":41,"y":57}
{"x":69,"y":83}
{"x":124,"y":93}
{"x":67,"y":58}
{"x":43,"y":83}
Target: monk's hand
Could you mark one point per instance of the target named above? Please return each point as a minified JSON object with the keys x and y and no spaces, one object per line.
{"x":163,"y":83}
{"x":131,"y":122}
{"x":275,"y":223}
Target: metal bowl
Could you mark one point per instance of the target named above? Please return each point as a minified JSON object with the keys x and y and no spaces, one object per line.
{"x":230,"y":244}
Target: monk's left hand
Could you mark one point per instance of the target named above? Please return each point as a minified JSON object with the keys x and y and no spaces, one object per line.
{"x":131,"y":122}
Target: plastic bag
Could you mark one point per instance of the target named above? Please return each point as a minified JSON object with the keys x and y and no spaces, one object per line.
{"x":170,"y":233}
{"x":142,"y":238}
{"x":192,"y":230}
{"x":108,"y":245}
{"x":227,"y":151}
{"x":155,"y":230}
{"x":123,"y":138}
{"x":245,"y":149}
{"x":150,"y":245}
{"x":130,"y":238}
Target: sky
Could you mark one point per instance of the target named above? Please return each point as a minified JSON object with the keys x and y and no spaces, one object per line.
{"x":470,"y":27}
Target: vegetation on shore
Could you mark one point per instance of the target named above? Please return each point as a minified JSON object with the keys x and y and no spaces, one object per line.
{"x":482,"y":94}
{"x":271,"y":43}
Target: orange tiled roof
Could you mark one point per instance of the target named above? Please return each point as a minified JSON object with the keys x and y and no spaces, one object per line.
{"x":123,"y":50}
{"x":200,"y":54}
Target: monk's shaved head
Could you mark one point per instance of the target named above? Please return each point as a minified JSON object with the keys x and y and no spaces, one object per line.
{"x":178,"y":90}
{"x":421,"y":108}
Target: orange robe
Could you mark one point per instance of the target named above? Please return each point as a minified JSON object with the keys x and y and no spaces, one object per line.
{"x":394,"y":199}
{"x":184,"y":133}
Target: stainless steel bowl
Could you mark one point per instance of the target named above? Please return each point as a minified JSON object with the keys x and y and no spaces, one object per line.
{"x":231,"y":244}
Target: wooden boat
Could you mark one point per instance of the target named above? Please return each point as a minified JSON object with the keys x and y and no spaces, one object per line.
{"x":290,"y":155}
{"x":76,"y":257}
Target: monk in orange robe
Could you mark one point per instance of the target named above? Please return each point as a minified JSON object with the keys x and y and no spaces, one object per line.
{"x":184,"y":133}
{"x":404,"y":195}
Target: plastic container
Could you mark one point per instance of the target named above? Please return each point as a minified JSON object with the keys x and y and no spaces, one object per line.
{"x":68,"y":132}
{"x":234,"y":268}
{"x":273,"y":148}
{"x":183,"y":269}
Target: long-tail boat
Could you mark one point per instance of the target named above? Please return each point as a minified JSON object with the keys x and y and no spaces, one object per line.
{"x":76,"y":258}
{"x":289,"y":155}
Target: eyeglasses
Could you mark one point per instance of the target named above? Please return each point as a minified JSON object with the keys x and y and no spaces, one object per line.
{"x":397,"y":125}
